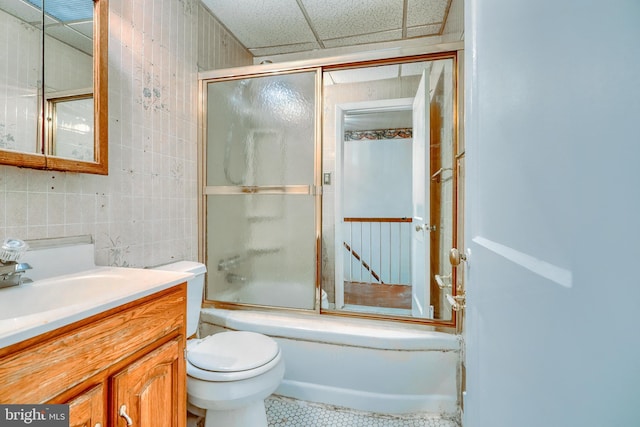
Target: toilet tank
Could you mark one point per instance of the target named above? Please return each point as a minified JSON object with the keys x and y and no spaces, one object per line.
{"x":195,"y":288}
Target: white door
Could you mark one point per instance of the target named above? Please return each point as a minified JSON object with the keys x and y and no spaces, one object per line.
{"x":552,"y":213}
{"x":420,"y":199}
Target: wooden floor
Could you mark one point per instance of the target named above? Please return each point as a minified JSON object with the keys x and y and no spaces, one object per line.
{"x":377,"y":295}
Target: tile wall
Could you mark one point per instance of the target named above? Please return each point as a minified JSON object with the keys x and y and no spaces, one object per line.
{"x":144,"y":212}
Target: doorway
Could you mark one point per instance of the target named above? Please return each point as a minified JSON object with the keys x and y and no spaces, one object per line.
{"x":389,"y":141}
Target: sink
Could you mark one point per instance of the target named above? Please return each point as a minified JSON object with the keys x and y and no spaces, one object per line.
{"x":46,"y":304}
{"x":58,"y":293}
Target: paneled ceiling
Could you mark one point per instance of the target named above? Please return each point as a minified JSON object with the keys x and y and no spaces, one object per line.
{"x":272,"y":27}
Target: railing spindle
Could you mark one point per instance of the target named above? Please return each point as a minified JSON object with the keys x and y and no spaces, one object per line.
{"x":394,"y":251}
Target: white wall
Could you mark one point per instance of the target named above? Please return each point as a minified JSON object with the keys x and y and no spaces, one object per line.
{"x":377,"y":178}
{"x":552,"y":94}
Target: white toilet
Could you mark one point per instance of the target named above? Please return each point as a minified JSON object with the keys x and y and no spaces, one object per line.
{"x":229,"y":374}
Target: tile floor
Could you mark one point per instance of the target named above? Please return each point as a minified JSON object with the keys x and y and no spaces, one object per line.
{"x":285,"y":412}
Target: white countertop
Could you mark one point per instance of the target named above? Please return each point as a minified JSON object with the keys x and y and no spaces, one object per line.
{"x":34,"y":308}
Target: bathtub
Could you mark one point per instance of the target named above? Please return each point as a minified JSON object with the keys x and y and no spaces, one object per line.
{"x":275,"y":294}
{"x":356,"y":363}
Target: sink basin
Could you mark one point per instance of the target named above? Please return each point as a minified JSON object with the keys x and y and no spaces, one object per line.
{"x":43,"y":305}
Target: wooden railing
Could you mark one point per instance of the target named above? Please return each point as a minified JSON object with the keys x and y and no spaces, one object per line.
{"x":378,"y":250}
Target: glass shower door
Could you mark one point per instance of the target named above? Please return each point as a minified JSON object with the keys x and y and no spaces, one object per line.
{"x":262,"y":220}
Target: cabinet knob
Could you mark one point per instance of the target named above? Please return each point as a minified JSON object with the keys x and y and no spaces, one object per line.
{"x":123,"y":414}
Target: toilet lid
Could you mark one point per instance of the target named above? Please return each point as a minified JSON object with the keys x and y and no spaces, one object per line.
{"x":233,"y":351}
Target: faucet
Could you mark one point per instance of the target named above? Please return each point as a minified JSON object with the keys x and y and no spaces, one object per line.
{"x":11,"y":273}
{"x":234,"y":278}
{"x":229,"y":263}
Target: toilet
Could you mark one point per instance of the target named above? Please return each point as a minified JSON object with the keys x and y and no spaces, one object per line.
{"x":229,"y":374}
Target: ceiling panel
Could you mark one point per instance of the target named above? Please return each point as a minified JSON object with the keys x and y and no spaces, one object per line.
{"x":340,"y":18}
{"x":258,"y":23}
{"x":421,"y":12}
{"x":272,"y":27}
{"x":277,"y":50}
{"x":425,"y":30}
{"x":367,"y":38}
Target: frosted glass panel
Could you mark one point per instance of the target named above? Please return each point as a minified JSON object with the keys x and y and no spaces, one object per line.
{"x":260,"y":131}
{"x":261,"y":250}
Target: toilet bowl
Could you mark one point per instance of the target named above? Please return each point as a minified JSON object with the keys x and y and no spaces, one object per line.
{"x":229,"y":374}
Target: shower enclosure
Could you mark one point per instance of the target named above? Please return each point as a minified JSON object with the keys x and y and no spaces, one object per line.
{"x":262,"y":215}
{"x":332,"y":188}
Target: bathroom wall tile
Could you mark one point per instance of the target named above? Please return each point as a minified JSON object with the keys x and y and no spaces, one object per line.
{"x":17,"y":231}
{"x":34,"y":232}
{"x":17,"y":179}
{"x":56,"y":209}
{"x":3,"y":213}
{"x":36,"y":216}
{"x":73,"y":208}
{"x":88,"y":203}
{"x":102,"y":209}
{"x":74,"y":229}
{"x":38,"y":182}
{"x":16,"y":212}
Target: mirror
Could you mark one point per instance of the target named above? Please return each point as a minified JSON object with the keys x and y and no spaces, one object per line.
{"x":54,"y":89}
{"x":389,"y":189}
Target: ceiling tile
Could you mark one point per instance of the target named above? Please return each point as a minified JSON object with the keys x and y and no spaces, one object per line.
{"x":426,"y":30}
{"x":421,"y":12}
{"x":273,"y":27}
{"x":276,"y":50}
{"x":262,"y":23}
{"x":366,"y":38}
{"x":339,"y":18}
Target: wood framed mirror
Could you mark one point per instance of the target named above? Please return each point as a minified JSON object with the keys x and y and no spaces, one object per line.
{"x":53,"y":93}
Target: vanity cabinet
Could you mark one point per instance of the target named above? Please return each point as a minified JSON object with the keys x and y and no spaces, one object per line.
{"x":87,"y":409}
{"x":122,"y":367}
{"x":143,"y":391}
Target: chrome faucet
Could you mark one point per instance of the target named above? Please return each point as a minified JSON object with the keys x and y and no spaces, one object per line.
{"x":234,"y":278}
{"x":11,"y":273}
{"x":229,"y":263}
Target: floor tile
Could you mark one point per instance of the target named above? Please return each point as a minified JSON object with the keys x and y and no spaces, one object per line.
{"x":285,"y":412}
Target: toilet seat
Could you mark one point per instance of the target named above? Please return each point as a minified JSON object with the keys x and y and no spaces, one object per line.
{"x":231,"y":356}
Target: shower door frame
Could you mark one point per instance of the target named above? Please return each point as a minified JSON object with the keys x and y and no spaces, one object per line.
{"x":314,"y":190}
{"x":356,"y":60}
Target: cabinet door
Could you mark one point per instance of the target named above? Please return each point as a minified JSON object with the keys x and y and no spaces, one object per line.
{"x":87,"y":409}
{"x":151,"y":391}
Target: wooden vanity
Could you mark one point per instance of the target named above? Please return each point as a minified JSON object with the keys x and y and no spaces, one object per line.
{"x":122,"y":367}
